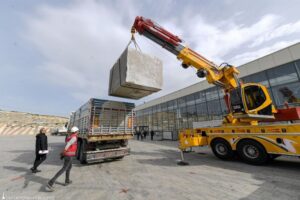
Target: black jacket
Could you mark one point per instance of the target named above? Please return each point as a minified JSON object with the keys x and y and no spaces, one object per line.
{"x":41,"y":142}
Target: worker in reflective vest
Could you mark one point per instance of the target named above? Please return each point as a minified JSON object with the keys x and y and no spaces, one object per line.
{"x":67,"y":154}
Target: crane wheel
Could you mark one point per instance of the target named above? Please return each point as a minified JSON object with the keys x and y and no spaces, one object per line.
{"x":222,"y":149}
{"x":184,"y":66}
{"x":252,"y":152}
{"x":201,"y":73}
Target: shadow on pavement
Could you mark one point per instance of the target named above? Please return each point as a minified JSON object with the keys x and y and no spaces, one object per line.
{"x":28,"y":177}
{"x":280,"y":178}
{"x":28,"y":156}
{"x":170,"y":143}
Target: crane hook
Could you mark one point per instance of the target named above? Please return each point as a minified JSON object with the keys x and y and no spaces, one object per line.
{"x":132,"y":33}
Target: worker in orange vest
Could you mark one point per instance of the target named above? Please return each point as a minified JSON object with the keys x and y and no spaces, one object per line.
{"x":67,"y":154}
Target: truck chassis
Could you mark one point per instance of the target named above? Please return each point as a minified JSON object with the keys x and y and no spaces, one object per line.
{"x":254,"y":144}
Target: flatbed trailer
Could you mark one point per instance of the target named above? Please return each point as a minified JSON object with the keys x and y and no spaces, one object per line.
{"x":104,"y":130}
{"x":254,"y":144}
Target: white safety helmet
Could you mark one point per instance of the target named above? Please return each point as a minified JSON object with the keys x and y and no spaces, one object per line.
{"x":74,"y":129}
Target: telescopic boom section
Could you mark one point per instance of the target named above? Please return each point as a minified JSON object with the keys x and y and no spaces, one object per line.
{"x":224,"y":77}
{"x":156,"y":33}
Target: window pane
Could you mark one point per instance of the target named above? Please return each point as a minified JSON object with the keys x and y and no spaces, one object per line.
{"x":172,"y":119}
{"x":170,"y":105}
{"x":154,"y":121}
{"x":190,"y":100}
{"x":221,"y":92}
{"x":254,"y":96}
{"x":212,"y":94}
{"x":192,"y":115}
{"x":181,"y":102}
{"x":298,"y":64}
{"x":158,"y":108}
{"x":150,"y":117}
{"x":164,"y":106}
{"x":165,"y":123}
{"x":224,"y":108}
{"x":159,"y":121}
{"x":201,"y":110}
{"x":283,"y":74}
{"x":200,"y":97}
{"x":260,"y":77}
{"x":287,"y":93}
{"x":182,"y":118}
{"x":214,"y":108}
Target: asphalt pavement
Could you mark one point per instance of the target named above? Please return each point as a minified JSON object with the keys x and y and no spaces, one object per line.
{"x":150,"y":172}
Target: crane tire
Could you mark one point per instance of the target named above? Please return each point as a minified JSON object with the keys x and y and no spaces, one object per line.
{"x":252,"y":152}
{"x":222,"y":149}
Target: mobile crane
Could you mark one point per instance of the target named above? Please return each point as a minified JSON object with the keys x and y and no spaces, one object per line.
{"x":247,"y":129}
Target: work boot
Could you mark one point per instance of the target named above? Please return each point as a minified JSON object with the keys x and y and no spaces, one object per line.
{"x":68,"y":182}
{"x":34,"y":170}
{"x":50,"y":186}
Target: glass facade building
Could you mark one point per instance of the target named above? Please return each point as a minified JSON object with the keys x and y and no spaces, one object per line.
{"x":283,"y":83}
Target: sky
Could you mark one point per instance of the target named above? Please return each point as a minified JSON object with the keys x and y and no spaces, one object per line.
{"x":55,"y":55}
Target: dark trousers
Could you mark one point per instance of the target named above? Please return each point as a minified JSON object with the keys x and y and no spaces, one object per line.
{"x":66,"y":168}
{"x":39,"y":158}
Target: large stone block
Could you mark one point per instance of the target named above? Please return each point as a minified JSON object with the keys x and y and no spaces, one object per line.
{"x":135,"y":75}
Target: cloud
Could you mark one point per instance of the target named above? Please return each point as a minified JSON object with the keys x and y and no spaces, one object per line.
{"x":218,"y":40}
{"x":80,"y":43}
{"x":252,"y":55}
{"x":279,"y":31}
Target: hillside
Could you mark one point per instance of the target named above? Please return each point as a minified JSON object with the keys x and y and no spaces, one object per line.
{"x":22,"y":123}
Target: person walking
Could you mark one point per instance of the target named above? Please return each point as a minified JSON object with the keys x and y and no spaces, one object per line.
{"x":41,"y":149}
{"x":152,"y":134}
{"x":67,"y":154}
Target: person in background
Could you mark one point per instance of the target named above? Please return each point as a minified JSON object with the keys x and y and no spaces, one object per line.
{"x":145,"y":134}
{"x":152,"y":134}
{"x":41,"y":149}
{"x":67,"y":154}
{"x":138,"y":134}
{"x":142,"y":134}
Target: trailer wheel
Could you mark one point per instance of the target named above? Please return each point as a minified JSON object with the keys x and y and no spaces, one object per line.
{"x":82,"y":156}
{"x":222,"y":149}
{"x":252,"y":152}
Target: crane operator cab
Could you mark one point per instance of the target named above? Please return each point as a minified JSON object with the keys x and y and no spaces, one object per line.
{"x":251,"y":100}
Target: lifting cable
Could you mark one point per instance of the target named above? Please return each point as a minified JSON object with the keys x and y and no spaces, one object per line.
{"x":132,"y":40}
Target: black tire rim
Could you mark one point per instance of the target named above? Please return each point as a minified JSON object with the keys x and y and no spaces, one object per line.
{"x":221,"y":149}
{"x":251,"y":151}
